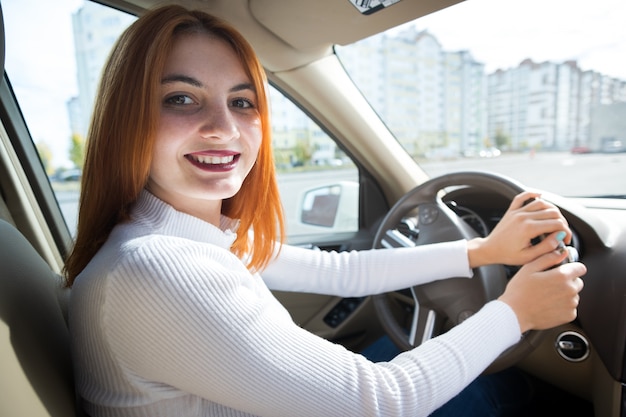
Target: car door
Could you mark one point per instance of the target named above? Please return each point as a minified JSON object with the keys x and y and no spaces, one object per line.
{"x":331,"y":203}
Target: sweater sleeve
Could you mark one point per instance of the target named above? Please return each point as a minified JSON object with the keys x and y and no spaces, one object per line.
{"x":191,"y":318}
{"x":366,"y":272}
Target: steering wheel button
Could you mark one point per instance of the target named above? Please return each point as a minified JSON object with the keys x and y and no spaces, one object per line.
{"x":428,"y":214}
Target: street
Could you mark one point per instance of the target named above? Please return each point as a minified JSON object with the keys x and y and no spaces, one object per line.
{"x":559,"y":172}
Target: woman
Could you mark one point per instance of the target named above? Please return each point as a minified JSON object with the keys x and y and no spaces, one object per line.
{"x":169,"y":314}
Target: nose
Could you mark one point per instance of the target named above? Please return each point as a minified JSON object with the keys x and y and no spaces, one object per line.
{"x":219,"y":123}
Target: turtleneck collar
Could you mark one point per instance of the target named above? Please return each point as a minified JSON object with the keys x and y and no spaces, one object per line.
{"x":162,"y":218}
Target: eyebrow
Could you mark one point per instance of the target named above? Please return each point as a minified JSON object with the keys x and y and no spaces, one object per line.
{"x":193,"y":82}
{"x":181,"y":78}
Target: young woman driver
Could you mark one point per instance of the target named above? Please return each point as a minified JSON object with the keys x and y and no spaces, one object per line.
{"x":171,"y":312}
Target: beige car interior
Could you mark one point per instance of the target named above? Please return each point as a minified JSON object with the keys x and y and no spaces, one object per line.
{"x":36,"y":377}
{"x":33,"y":329}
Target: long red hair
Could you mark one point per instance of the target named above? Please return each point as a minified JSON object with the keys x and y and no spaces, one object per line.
{"x":122,"y":135}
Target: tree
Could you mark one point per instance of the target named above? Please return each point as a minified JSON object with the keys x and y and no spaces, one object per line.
{"x":303,"y":151}
{"x":77,"y":150}
{"x":45,"y":154}
{"x":503,"y":140}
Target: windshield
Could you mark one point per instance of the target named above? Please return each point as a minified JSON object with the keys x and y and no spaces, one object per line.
{"x":530,"y":89}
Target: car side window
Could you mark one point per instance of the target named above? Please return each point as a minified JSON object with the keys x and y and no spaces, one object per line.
{"x":318,"y":182}
{"x":53,"y":61}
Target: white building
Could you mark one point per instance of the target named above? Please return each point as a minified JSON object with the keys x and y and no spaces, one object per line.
{"x":434,"y":101}
{"x":465,"y":102}
{"x":548,"y":105}
{"x":91,"y":53}
{"x":430,"y":98}
{"x":608,"y":127}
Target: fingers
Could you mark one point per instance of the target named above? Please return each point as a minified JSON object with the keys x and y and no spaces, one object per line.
{"x":547,"y":260}
{"x":523,"y":198}
{"x":544,"y":296}
{"x":539,"y":217}
{"x":543,"y":293}
{"x":530,"y":200}
{"x":570,"y":286}
{"x":574,"y":270}
{"x":511,"y":241}
{"x":554,"y":258}
{"x":549,"y":243}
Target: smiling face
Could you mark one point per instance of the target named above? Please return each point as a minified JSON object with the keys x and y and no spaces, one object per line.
{"x":209,"y":130}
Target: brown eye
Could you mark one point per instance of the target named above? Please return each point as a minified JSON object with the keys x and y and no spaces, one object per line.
{"x":179,"y":100}
{"x":242,"y":103}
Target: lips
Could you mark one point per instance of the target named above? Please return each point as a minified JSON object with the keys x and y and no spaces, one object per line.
{"x":213,"y":162}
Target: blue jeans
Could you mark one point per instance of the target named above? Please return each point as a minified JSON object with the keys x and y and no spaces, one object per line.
{"x":507,"y":393}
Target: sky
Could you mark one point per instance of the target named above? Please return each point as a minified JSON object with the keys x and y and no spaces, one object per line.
{"x":501,"y":33}
{"x":498,"y":33}
{"x":43,"y":99}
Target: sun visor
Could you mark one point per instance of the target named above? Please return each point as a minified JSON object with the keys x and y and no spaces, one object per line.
{"x":309,"y":25}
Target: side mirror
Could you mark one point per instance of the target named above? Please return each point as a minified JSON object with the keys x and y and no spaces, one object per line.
{"x":320,"y":205}
{"x":334,"y":206}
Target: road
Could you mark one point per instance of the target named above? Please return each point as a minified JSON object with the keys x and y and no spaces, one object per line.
{"x":561,"y":173}
{"x":558,"y":172}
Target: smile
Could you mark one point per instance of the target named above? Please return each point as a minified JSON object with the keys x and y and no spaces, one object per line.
{"x":212,"y":160}
{"x":214,"y":163}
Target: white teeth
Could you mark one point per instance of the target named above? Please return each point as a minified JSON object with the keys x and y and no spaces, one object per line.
{"x":215,"y":160}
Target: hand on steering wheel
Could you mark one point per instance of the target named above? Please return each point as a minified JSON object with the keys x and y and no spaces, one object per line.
{"x":527,"y":217}
{"x":453,"y":300}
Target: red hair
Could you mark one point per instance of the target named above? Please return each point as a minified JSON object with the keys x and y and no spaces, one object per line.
{"x":122,"y":135}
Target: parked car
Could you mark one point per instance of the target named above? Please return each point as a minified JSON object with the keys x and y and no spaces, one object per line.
{"x":490,"y":153}
{"x":72,"y":175}
{"x":580,"y":149}
{"x":378,"y":85}
{"x":613,"y":145}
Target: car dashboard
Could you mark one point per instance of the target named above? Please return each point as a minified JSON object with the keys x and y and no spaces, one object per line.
{"x":594,"y":363}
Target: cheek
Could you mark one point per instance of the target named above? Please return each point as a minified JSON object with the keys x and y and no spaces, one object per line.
{"x":170,"y":133}
{"x":162,"y":153}
{"x":159,"y":150}
{"x":255,"y":138}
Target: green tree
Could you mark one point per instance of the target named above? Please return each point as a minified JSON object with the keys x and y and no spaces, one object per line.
{"x":45,"y":154}
{"x":77,"y":150}
{"x":303,"y":151}
{"x":502,"y":140}
{"x":281,"y":158}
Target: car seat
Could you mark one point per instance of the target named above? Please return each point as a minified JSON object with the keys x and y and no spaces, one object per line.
{"x":36,"y":377}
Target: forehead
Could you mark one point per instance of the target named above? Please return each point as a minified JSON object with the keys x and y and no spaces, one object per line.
{"x":204,"y":54}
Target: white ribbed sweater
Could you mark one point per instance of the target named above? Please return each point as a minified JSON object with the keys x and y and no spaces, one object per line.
{"x":166,"y":321}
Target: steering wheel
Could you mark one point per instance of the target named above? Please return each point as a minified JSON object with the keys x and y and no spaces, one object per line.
{"x":450,"y":301}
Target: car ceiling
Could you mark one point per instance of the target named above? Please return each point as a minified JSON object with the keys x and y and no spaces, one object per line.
{"x":302,"y":30}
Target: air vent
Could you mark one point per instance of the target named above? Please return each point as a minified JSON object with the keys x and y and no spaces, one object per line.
{"x":572,"y":346}
{"x":408,"y":227}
